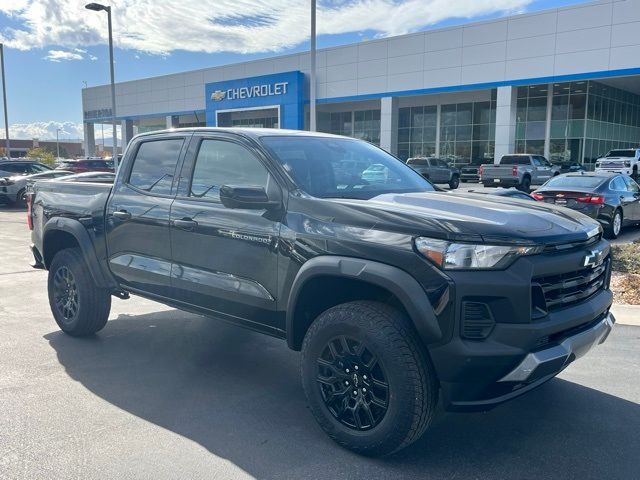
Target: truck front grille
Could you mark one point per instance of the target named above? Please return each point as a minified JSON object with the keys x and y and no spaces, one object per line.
{"x":567,"y":289}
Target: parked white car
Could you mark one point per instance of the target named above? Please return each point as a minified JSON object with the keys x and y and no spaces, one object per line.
{"x":624,"y":160}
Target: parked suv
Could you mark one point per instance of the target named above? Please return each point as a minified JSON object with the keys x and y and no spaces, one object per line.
{"x":520,"y":170}
{"x":397,"y":295}
{"x":624,"y":161}
{"x":436,"y":170}
{"x":471,"y":172}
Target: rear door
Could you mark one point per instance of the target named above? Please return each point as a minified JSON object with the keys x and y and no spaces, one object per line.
{"x":632,"y":209}
{"x":137,"y":214}
{"x":225,"y":259}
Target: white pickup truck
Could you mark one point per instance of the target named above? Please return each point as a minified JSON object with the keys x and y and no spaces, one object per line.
{"x":625,"y":160}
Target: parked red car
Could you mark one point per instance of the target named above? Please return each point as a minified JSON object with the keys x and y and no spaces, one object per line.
{"x":86,"y":165}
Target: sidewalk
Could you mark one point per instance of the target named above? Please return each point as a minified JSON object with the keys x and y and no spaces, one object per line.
{"x":626,"y":314}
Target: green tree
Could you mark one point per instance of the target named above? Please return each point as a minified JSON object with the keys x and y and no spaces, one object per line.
{"x":42,"y":154}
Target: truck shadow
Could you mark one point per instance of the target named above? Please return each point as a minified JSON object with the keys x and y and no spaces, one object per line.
{"x":238,"y":394}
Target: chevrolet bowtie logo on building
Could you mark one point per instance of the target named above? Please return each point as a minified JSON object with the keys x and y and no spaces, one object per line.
{"x":218,"y":95}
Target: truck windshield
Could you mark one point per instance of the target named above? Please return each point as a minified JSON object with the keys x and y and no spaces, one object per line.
{"x":621,"y":153}
{"x":343,"y":168}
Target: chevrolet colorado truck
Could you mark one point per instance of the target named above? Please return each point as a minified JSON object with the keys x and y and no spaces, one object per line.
{"x":398,"y":296}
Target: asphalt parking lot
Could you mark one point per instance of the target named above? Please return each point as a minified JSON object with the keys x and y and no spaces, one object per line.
{"x":164,"y":394}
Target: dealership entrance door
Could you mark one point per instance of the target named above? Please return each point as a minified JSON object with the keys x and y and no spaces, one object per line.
{"x":266,"y":117}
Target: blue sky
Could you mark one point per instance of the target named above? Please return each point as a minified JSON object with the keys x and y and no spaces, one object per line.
{"x":52,"y":47}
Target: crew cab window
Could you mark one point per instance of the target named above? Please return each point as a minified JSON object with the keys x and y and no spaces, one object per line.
{"x":536,"y":161}
{"x":221,"y":162}
{"x":14,"y":168}
{"x":155,"y":164}
{"x":37,"y":168}
{"x":439,"y":163}
{"x":421,"y":162}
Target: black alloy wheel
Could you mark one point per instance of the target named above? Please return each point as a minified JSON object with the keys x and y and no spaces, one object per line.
{"x":353,"y":383}
{"x":65,"y":293}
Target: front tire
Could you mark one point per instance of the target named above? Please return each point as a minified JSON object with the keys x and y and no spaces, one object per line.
{"x":368,"y":380}
{"x":454,"y":182}
{"x":78,"y":305}
{"x":615,"y":226}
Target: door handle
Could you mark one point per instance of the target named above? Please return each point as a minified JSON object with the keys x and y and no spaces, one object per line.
{"x":122,"y":215}
{"x":185,"y":224}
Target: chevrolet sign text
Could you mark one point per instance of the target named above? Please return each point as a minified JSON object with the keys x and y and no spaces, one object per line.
{"x":279,"y":88}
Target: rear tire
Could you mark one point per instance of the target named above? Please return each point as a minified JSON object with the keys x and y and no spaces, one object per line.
{"x":365,"y":345}
{"x":78,"y":305}
{"x":615,"y":226}
{"x":21,"y":199}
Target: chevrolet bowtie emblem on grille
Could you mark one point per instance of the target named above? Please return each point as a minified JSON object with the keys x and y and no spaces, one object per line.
{"x":218,"y":95}
{"x":593,"y":258}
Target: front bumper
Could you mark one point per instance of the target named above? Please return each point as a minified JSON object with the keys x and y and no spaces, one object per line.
{"x":479,"y":373}
{"x":470,"y":177}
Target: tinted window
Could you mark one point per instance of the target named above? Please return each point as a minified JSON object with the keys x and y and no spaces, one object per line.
{"x":514,"y":160}
{"x":618,"y":184}
{"x":343,"y":168}
{"x":439,"y":163}
{"x":578,"y":182}
{"x":155,"y":165}
{"x":621,"y":153}
{"x":632,"y":186}
{"x":14,"y":167}
{"x":225,"y":163}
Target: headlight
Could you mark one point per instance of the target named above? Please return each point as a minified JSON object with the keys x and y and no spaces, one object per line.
{"x":469,"y":256}
{"x":598,"y":164}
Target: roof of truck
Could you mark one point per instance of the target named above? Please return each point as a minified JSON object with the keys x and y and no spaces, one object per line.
{"x":247,"y":132}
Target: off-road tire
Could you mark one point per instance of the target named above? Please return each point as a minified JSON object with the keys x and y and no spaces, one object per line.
{"x":93,"y":303}
{"x":412,"y":382}
{"x":454,"y":182}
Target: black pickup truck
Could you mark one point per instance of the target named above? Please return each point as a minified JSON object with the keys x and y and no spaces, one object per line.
{"x":397,"y":295}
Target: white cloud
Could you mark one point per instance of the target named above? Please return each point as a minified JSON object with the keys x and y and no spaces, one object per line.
{"x":224,"y":25}
{"x":45,"y":130}
{"x":60,"y":55}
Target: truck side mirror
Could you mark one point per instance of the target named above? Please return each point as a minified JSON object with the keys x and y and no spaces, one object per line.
{"x":251,"y":198}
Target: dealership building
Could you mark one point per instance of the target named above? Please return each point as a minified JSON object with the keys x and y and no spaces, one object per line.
{"x":564,"y":83}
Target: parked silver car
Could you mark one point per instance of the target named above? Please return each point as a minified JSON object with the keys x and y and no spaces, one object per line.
{"x":13,"y":189}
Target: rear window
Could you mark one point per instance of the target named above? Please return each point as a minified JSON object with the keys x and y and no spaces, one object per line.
{"x":576,"y":182}
{"x":155,"y":165}
{"x":514,"y":160}
{"x":621,"y":153}
{"x":418,"y":161}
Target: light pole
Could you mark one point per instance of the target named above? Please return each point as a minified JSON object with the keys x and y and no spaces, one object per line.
{"x":57,"y":144}
{"x":4,"y":97}
{"x":312,"y":86}
{"x":97,"y":7}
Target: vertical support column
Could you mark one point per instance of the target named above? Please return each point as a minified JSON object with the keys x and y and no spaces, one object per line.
{"x":172,"y":121}
{"x":438,"y":117}
{"x":126,"y":132}
{"x":547,"y":126}
{"x":89,"y":140}
{"x":506,"y":109}
{"x":389,"y":124}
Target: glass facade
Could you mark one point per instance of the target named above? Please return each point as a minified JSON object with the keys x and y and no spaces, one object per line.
{"x":363,"y":124}
{"x":588,"y":119}
{"x":467,"y":131}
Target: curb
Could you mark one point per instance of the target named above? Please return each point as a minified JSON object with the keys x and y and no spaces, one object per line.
{"x":626,"y":314}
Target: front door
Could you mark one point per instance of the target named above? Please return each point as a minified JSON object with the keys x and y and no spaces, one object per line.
{"x":137,"y":215}
{"x":632,"y":199}
{"x":225,"y":259}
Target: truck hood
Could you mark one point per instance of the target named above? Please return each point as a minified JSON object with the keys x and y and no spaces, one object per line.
{"x":474,"y":218}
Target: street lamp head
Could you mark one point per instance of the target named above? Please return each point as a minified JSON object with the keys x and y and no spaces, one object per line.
{"x":96,"y":7}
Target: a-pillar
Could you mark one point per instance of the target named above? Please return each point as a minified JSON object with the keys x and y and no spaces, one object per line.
{"x":89,"y":140}
{"x":506,"y":109}
{"x":127,"y":133}
{"x":172,"y":121}
{"x":389,"y":124}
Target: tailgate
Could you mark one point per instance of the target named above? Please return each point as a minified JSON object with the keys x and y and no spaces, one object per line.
{"x":497,"y":171}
